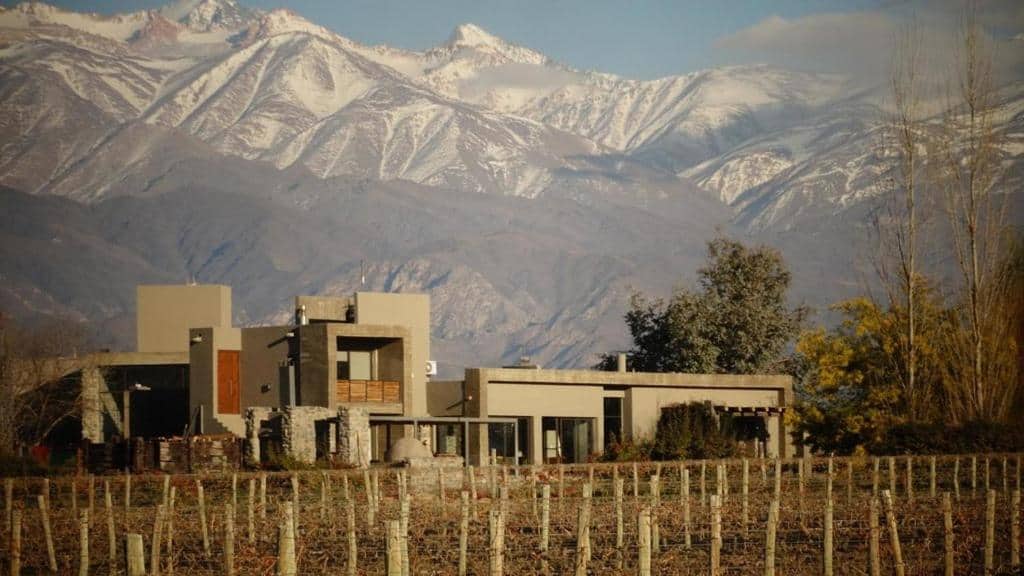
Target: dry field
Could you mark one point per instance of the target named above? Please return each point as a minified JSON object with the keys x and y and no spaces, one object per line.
{"x":694,"y":517}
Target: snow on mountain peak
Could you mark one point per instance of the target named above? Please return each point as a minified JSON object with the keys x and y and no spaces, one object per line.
{"x":472,"y":35}
{"x":207,"y":15}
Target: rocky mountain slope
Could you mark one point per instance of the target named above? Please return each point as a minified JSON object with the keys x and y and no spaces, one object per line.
{"x":213,"y":141}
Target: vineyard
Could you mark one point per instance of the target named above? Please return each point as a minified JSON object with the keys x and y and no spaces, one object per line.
{"x":905,"y":515}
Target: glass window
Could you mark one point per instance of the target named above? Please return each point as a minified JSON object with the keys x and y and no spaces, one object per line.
{"x":612,"y":420}
{"x":566,"y":439}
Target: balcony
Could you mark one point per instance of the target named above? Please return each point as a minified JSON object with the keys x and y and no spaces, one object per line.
{"x":380,"y":391}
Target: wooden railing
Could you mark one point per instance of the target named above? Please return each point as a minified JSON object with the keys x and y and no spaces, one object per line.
{"x":388,"y":391}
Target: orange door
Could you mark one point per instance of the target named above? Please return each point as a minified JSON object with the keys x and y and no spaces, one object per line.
{"x":228,"y":383}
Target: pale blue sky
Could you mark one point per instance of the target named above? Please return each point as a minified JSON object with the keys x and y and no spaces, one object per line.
{"x":639,"y":38}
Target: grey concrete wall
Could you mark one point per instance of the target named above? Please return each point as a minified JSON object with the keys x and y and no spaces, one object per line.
{"x":165,"y":313}
{"x":444,"y":397}
{"x":264,"y":352}
{"x":203,"y":372}
{"x":316,"y":374}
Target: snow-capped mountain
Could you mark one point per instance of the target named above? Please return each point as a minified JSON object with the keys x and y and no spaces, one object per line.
{"x":256,"y":148}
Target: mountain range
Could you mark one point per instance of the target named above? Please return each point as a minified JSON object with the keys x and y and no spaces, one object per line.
{"x":213,"y":141}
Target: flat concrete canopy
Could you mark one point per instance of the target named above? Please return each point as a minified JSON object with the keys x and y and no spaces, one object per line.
{"x":646,"y":379}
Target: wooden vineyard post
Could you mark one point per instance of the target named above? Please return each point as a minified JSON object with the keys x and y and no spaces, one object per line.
{"x":495,"y":527}
{"x":777,"y":491}
{"x":323,"y":498}
{"x":643,"y":542}
{"x":229,"y":540}
{"x":744,"y":489}
{"x":263,"y":496}
{"x":1015,"y":530}
{"x":703,"y":487}
{"x":947,"y":540}
{"x":974,"y":476}
{"x":370,"y":516}
{"x":874,"y":561}
{"x":1006,"y":478}
{"x":583,"y":535}
{"x":769,"y":541}
{"x":286,"y":565}
{"x":136,"y":555}
{"x":990,"y":529}
{"x":127,"y":495}
{"x":931,"y":477}
{"x":892,"y":475}
{"x":166,"y":491}
{"x":403,"y":523}
{"x":849,"y":482}
{"x":561,"y":484}
{"x":92,"y":499}
{"x":655,"y":504}
{"x":687,"y":540}
{"x":636,"y":482}
{"x":297,"y":505}
{"x":988,"y":475}
{"x":910,"y":478}
{"x":74,"y":497}
{"x":202,"y":517}
{"x":533,"y":492}
{"x":463,"y":531}
{"x":472,"y":488}
{"x":111,"y":535}
{"x":154,"y":549}
{"x":15,"y":550}
{"x":545,"y":519}
{"x":250,"y":512}
{"x":716,"y":535}
{"x":617,"y":489}
{"x":393,"y":548}
{"x":44,"y":513}
{"x":874,"y":477}
{"x":440,"y":487}
{"x":894,"y":536}
{"x":170,"y":531}
{"x":827,"y":540}
{"x":956,"y":478}
{"x":353,"y":545}
{"x":83,"y":543}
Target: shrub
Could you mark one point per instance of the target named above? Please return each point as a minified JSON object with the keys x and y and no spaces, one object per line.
{"x":693,"y":431}
{"x":627,"y":450}
{"x":932,"y":438}
{"x":12,"y":465}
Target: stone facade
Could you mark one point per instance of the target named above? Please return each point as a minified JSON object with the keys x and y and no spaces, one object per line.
{"x":306,"y":431}
{"x":353,"y":436}
{"x":298,"y":430}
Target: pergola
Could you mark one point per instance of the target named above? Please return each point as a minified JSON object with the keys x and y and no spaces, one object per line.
{"x":465,"y":421}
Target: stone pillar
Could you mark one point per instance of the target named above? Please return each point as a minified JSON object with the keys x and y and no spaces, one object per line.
{"x":92,"y":414}
{"x":353,"y":442}
{"x":254,"y":418}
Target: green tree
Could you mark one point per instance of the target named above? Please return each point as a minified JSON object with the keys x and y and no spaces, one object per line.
{"x":735,"y":321}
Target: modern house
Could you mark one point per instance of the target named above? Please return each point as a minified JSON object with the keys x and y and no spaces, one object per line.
{"x":351,"y":375}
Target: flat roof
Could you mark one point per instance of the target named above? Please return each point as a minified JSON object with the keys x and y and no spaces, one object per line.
{"x":645,"y":379}
{"x":139,"y":358}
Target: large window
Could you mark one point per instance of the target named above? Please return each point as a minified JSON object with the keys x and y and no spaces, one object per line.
{"x":567,"y":439}
{"x":501,"y":437}
{"x":355,"y":365}
{"x":612,"y":420}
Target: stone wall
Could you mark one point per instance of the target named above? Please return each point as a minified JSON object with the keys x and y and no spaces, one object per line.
{"x":298,"y":430}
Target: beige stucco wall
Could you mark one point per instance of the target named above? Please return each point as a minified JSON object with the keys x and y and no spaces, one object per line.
{"x":411,"y":311}
{"x":580,"y":393}
{"x":165,"y":313}
{"x":536,"y":401}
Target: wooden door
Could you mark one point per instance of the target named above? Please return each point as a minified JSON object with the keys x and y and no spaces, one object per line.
{"x":229,"y":389}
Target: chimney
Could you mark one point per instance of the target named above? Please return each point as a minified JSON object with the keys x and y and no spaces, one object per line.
{"x":300,"y":316}
{"x":622,"y":362}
